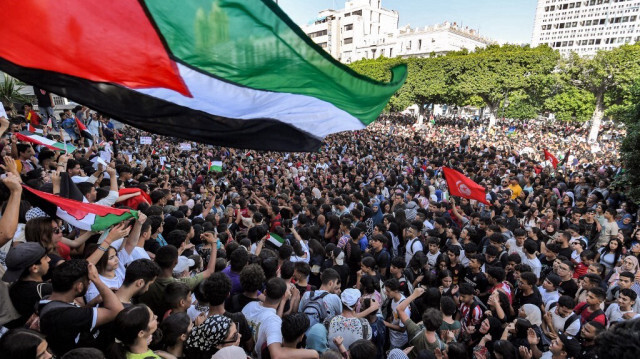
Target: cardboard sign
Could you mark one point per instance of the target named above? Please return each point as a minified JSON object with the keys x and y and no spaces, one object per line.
{"x":185,"y":146}
{"x":145,"y":140}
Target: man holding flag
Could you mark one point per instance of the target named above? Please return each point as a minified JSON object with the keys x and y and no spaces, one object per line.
{"x":548,"y":156}
{"x":462,"y":186}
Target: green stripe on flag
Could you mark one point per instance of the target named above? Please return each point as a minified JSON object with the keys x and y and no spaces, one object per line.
{"x":215,"y":166}
{"x":254,"y":44}
{"x":103,"y":222}
{"x":275,"y":239}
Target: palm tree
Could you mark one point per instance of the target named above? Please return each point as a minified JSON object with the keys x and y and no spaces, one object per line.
{"x":10,"y":92}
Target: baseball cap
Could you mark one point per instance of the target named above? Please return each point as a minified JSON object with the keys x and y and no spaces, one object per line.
{"x":183,"y":264}
{"x":350,"y":297}
{"x":554,"y":279}
{"x":20,"y":258}
{"x":571,"y":346}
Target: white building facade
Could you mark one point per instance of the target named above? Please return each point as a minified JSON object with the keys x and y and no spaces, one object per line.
{"x":586,"y":26}
{"x":366,"y":30}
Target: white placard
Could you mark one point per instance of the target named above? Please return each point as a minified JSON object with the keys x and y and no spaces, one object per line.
{"x":145,"y":140}
{"x":185,"y":146}
{"x":3,"y":113}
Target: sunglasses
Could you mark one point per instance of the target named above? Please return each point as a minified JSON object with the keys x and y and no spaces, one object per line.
{"x":235,"y":336}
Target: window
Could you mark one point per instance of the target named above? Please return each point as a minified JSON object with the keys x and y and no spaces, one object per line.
{"x":633,"y":18}
{"x":357,"y":13}
{"x":419,"y":44}
{"x":597,"y":41}
{"x":348,"y":27}
{"x":602,"y":21}
{"x":348,"y":40}
{"x":587,"y":23}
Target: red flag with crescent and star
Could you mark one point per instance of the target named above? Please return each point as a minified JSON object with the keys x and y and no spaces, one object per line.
{"x":462,"y":186}
{"x":551,"y":158}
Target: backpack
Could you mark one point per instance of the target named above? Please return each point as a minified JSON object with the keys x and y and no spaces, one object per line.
{"x":315,"y":309}
{"x":417,"y":239}
{"x":567,"y":323}
{"x":594,"y":315}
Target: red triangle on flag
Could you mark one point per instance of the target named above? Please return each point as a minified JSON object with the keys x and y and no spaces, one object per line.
{"x":115,"y":43}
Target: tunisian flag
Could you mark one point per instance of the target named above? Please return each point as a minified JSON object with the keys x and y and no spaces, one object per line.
{"x":551,"y":158}
{"x":462,"y":186}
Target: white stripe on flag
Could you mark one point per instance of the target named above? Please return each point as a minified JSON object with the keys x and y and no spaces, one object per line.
{"x":316,"y":117}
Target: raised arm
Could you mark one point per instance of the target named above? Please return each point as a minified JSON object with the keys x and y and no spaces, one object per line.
{"x":134,"y":235}
{"x":211,"y":266}
{"x":111,"y":305}
{"x":9,"y":220}
{"x":116,"y":232}
{"x":405,"y":303}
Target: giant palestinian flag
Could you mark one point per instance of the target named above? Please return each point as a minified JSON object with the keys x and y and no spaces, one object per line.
{"x":87,"y":216}
{"x":236,"y":73}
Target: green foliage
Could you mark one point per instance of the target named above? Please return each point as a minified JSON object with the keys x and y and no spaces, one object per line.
{"x":10,"y":92}
{"x":520,"y":106}
{"x":572,"y":104}
{"x":534,"y":80}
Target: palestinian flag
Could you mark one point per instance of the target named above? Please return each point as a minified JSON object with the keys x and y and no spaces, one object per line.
{"x":87,"y":216}
{"x":32,"y":129}
{"x":275,"y":239}
{"x":234,"y":73}
{"x":215,"y":166}
{"x":43,"y":141}
{"x":83,"y":129}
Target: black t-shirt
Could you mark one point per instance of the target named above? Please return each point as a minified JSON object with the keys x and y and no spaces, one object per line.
{"x":238,"y":301}
{"x":305,"y":288}
{"x":458,"y":272}
{"x":343,"y":270}
{"x":353,"y":256}
{"x":67,"y":326}
{"x":566,"y":252}
{"x":547,"y":267}
{"x":520,"y":299}
{"x":477,"y":281}
{"x":383,"y":259}
{"x":44,"y":98}
{"x":569,"y":288}
{"x":24,"y":296}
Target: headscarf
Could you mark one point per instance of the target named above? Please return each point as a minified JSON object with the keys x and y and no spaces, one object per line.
{"x":616,"y":275}
{"x":397,"y":354}
{"x":317,"y":338}
{"x":533,"y":314}
{"x":210,"y":333}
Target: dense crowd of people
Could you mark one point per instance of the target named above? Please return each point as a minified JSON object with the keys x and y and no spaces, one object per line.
{"x":354,"y":251}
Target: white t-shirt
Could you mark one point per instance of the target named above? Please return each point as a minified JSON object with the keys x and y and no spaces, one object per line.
{"x":558,"y":323}
{"x":265,"y":325}
{"x":124,"y":259}
{"x":534,"y":263}
{"x":413,"y":246}
{"x":398,"y":339}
